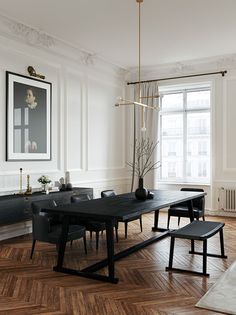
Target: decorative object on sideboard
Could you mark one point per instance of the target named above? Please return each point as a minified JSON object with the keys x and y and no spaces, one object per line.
{"x":62,"y":186}
{"x":28,"y":120}
{"x":144,"y":163}
{"x":29,"y":189}
{"x":33,"y":73}
{"x":44,"y":181}
{"x":67,"y":181}
{"x":20,"y":182}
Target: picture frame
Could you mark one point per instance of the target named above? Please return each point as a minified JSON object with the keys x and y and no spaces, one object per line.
{"x":28,"y":118}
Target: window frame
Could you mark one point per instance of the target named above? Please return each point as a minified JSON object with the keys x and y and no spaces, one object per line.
{"x":184,"y":112}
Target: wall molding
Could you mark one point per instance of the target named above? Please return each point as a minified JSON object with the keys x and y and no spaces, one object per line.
{"x":225,"y":114}
{"x":16,"y":173}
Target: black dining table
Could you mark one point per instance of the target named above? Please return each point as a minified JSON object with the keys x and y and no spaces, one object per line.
{"x":113,"y":209}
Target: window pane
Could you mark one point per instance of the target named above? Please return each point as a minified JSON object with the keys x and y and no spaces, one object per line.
{"x":172,"y":102}
{"x":198,"y":146}
{"x":172,"y":125}
{"x":198,"y":100}
{"x":172,"y":146}
{"x":198,"y":124}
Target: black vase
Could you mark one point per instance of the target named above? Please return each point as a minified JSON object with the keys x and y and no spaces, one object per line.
{"x":141,"y":193}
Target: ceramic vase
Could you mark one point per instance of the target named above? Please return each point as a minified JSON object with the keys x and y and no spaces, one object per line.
{"x":141,"y":192}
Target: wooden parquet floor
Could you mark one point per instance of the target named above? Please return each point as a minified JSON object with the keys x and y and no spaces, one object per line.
{"x":31,"y":287}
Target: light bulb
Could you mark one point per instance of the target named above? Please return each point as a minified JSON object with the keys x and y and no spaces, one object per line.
{"x":143,"y":129}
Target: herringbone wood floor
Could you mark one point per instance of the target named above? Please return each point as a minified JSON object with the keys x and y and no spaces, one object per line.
{"x":31,"y":287}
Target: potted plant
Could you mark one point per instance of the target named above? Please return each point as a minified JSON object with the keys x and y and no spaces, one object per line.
{"x":144,"y":150}
{"x":44,"y":181}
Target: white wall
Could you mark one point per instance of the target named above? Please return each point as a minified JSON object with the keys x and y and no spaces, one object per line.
{"x":88,"y":132}
{"x":223,"y":119}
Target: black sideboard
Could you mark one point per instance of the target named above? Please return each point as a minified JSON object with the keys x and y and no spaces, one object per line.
{"x":17,"y":208}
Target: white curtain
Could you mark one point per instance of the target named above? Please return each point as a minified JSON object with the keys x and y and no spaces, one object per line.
{"x":149,"y":93}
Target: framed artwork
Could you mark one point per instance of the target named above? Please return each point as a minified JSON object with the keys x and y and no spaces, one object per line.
{"x":28,"y":120}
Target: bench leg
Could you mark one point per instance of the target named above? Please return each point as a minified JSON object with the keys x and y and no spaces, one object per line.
{"x":170,"y":267}
{"x":222,"y":244}
{"x":168,"y":221}
{"x":192,"y":251}
{"x":192,"y":246}
{"x":178,"y":221}
{"x":205,"y":257}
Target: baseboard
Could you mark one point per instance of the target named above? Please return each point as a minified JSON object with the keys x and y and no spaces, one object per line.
{"x":14,"y":230}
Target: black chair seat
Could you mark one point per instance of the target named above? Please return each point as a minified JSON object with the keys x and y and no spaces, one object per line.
{"x":183,"y":212}
{"x":94,"y":226}
{"x":133,"y":218}
{"x":75,"y":232}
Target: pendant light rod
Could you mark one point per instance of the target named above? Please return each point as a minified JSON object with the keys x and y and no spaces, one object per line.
{"x":139,"y":45}
{"x":128,"y":102}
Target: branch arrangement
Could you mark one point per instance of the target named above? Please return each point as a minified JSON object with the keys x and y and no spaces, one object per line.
{"x":144,"y":152}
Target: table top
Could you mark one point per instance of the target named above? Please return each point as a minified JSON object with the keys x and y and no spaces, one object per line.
{"x":124,"y":206}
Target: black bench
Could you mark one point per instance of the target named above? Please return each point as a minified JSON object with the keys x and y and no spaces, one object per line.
{"x":201,"y":231}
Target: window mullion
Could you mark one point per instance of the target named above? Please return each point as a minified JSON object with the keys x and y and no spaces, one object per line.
{"x":184,"y":135}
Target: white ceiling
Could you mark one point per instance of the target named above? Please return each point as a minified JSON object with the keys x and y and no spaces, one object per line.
{"x":172,"y":30}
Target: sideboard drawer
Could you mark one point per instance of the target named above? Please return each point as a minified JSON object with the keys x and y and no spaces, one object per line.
{"x":15,"y":210}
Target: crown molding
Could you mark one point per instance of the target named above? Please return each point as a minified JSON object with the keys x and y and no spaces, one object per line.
{"x":16,"y":31}
{"x":13,"y":29}
{"x":30,"y":35}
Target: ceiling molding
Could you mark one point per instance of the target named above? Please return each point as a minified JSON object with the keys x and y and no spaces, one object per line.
{"x":88,"y":59}
{"x":31,"y":36}
{"x":13,"y":30}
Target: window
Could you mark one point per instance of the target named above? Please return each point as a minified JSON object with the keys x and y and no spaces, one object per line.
{"x":185,"y":135}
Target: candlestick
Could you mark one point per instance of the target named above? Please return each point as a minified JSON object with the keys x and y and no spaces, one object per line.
{"x":29,"y":189}
{"x":21,"y":191}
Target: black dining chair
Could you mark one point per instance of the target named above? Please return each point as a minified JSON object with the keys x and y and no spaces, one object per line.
{"x":90,"y":225}
{"x":181,"y":209}
{"x":47,"y":228}
{"x":110,"y":193}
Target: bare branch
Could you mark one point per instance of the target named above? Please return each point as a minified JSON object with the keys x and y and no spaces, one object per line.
{"x":144,"y":155}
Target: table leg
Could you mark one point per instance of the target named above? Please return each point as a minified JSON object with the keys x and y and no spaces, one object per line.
{"x":156,"y":218}
{"x":110,"y":250}
{"x":62,"y":243}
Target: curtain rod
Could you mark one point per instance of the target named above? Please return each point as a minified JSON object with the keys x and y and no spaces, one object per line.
{"x":181,"y":77}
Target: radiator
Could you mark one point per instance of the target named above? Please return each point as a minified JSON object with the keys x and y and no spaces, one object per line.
{"x":228,"y":199}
